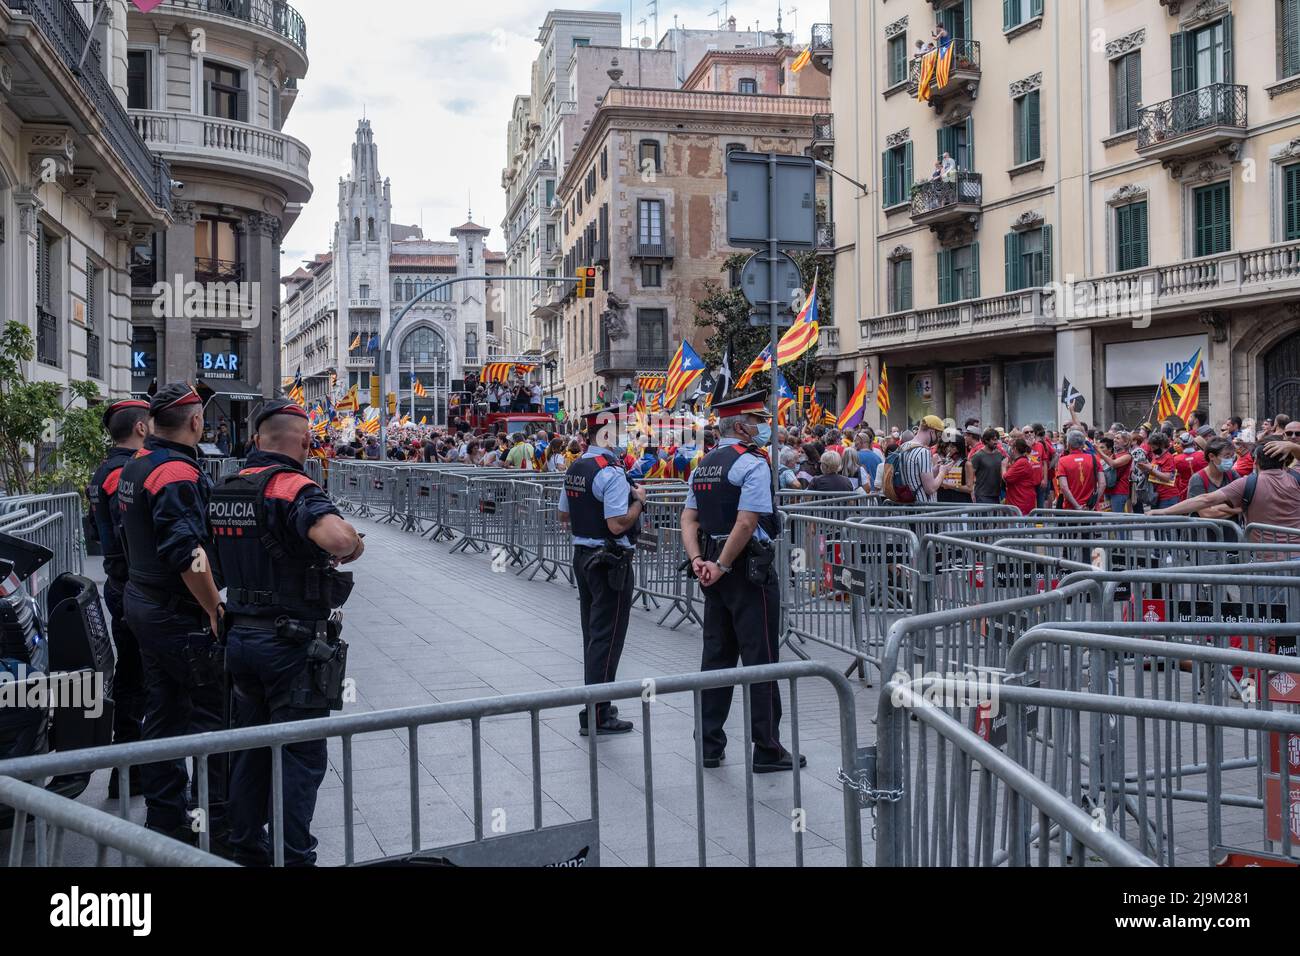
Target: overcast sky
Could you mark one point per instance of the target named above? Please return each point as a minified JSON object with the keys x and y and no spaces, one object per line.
{"x":437,"y":79}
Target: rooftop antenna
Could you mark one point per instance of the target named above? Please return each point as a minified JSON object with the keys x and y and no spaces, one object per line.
{"x":794,"y":17}
{"x":716,"y":13}
{"x":653,"y":8}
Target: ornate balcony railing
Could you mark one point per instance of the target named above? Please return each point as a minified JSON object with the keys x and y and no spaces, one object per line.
{"x":1197,"y":111}
{"x":822,"y":35}
{"x":94,"y":355}
{"x":62,"y":25}
{"x":47,"y":337}
{"x":217,"y":270}
{"x":663,"y":249}
{"x":937,"y":194}
{"x":965,"y":66}
{"x":823,"y":128}
{"x":274,"y":15}
{"x":825,"y":235}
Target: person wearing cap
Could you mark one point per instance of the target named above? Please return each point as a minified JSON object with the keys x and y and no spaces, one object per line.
{"x":602,"y":511}
{"x":921,"y":472}
{"x":278,"y":539}
{"x":173,"y":605}
{"x":127,"y":424}
{"x":729,"y":527}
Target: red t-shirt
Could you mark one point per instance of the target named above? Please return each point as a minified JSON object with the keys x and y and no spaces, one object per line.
{"x":1124,"y":479}
{"x":1169,"y":466}
{"x":1244,"y":465}
{"x":1186,"y":465}
{"x":1079,"y":469}
{"x":1022,"y":480}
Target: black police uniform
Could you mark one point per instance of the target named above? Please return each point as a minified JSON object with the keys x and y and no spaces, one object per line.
{"x":163,"y":499}
{"x":128,"y":672}
{"x":281,"y":591}
{"x":606,"y":583}
{"x":741,"y":611}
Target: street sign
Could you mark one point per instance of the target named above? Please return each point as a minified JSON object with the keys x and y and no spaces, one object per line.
{"x":793,"y":201}
{"x":755,"y":282}
{"x":552,"y":406}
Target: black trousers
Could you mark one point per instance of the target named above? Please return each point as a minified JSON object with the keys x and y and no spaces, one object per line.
{"x":174,"y":707}
{"x":605,"y":613}
{"x":128,"y":671}
{"x":263,"y":666}
{"x":741,"y":622}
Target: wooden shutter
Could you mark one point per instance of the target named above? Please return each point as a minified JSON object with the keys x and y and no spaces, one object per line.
{"x":945,"y":276}
{"x":1033,"y":142}
{"x":1047,"y":255}
{"x":1011,"y":241}
{"x":1292,"y":201}
{"x":1227,"y":48}
{"x":1181,"y":70}
{"x":42,"y":267}
{"x":905,"y":183}
{"x":965,"y":20}
{"x":905,"y":284}
{"x":970,"y":143}
{"x":1133,"y":86}
{"x":1035,"y":8}
{"x":886,"y":197}
{"x":1288,"y":51}
{"x":1009,"y":14}
{"x":973,"y":288}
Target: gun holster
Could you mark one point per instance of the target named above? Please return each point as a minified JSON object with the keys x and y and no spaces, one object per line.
{"x":761,"y":556}
{"x":319,"y":686}
{"x":205,"y":657}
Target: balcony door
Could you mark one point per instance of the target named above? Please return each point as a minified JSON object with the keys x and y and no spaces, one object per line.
{"x":956,"y":19}
{"x":1202,"y":58}
{"x":650,"y":222}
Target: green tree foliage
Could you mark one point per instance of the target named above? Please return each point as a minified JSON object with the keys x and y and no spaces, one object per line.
{"x":725,"y":311}
{"x":44,"y":443}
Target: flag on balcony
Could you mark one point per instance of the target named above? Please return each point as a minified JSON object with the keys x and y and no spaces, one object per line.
{"x":856,"y":411}
{"x":802,"y":60}
{"x":684,"y":369}
{"x":784,"y":397}
{"x":882,"y":392}
{"x":356,"y":343}
{"x":145,"y":6}
{"x":943,"y":63}
{"x":928,"y":63}
{"x":1187,"y":387}
{"x":373,"y":344}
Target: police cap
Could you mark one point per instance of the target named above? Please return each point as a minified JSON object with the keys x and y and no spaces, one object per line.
{"x":173,"y":396}
{"x":121,"y":407}
{"x":755,"y":403}
{"x":278,"y":406}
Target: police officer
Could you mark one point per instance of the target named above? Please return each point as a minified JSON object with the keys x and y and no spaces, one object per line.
{"x":127,"y":424}
{"x":729,"y":528}
{"x":603,"y":511}
{"x":173,"y":605}
{"x":279,"y":537}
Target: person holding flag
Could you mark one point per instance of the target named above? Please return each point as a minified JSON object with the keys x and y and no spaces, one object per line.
{"x":856,"y":411}
{"x":683,"y":370}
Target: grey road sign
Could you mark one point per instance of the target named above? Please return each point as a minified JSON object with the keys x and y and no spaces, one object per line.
{"x":756,"y":283}
{"x":793,"y":207}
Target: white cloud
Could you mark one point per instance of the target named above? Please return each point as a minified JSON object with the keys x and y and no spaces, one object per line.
{"x":437,"y":80}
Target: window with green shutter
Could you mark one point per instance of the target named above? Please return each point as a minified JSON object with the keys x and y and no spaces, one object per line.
{"x":958,"y":141}
{"x":1125,"y":91}
{"x":1288,"y":38}
{"x":897,"y":175}
{"x":1016,"y":12}
{"x":1028,"y":259}
{"x":1131,"y":237}
{"x":1291,"y":200}
{"x":1213,"y":210}
{"x":898,"y":59}
{"x":1028,"y":121}
{"x":959,"y":274}
{"x":956,"y":19}
{"x":900,"y":285}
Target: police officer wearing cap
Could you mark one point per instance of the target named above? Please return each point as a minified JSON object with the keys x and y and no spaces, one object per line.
{"x":173,"y":606}
{"x":127,"y":424}
{"x":729,"y":529}
{"x":603,"y":511}
{"x":279,"y":538}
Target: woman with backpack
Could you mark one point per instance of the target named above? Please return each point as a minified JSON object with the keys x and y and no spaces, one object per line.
{"x":1118,"y":471}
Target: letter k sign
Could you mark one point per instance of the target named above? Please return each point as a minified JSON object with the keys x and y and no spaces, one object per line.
{"x":144,"y":6}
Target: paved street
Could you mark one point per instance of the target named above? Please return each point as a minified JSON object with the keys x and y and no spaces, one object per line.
{"x":427,"y":626}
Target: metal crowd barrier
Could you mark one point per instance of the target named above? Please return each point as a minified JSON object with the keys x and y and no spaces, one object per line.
{"x":47,"y":530}
{"x":128,"y":836}
{"x":70,"y":541}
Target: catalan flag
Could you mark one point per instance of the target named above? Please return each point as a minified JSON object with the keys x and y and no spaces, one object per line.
{"x":424,"y":419}
{"x":356,"y":343}
{"x":760,"y":364}
{"x":798,"y":339}
{"x":802,"y":60}
{"x":501,"y":371}
{"x":882,"y":391}
{"x":351,"y":402}
{"x":1187,"y":387}
{"x":296,"y":392}
{"x":652,"y":383}
{"x":856,"y":412}
{"x":943,"y":63}
{"x":417,"y":387}
{"x":1166,"y":402}
{"x":785,"y":398}
{"x":684,"y":369}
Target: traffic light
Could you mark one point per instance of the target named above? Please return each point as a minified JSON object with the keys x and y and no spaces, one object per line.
{"x":374,"y":391}
{"x":587,"y":282}
{"x":392,"y":404}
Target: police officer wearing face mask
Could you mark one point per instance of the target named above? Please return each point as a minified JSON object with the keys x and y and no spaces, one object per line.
{"x":729,"y":530}
{"x":603,"y":511}
{"x":127,"y":424}
{"x":279,"y":538}
{"x":173,"y":606}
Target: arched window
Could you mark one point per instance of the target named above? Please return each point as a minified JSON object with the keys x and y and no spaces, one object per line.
{"x":370,"y":229}
{"x":356,"y":229}
{"x":471,"y":346}
{"x":424,"y":346}
{"x":410,"y":290}
{"x":397,"y":291}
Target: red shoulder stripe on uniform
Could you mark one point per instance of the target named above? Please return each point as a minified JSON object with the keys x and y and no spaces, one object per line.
{"x":287,"y":485}
{"x":169,"y":473}
{"x":254,"y":471}
{"x":110,"y":482}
